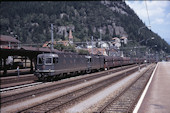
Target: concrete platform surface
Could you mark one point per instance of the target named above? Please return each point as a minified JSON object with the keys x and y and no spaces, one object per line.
{"x":157,"y":98}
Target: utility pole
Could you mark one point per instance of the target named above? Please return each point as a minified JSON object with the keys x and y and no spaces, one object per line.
{"x":101,"y":41}
{"x":100,"y":35}
{"x":52,"y":37}
{"x":139,"y":43}
{"x":92,"y":44}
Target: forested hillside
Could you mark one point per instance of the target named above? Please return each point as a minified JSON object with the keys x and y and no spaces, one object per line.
{"x":30,"y":21}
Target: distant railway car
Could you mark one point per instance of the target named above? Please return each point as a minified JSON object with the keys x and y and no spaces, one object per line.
{"x":117,"y":61}
{"x":108,"y":62}
{"x":126,"y":61}
{"x":152,"y":60}
{"x":168,"y":58}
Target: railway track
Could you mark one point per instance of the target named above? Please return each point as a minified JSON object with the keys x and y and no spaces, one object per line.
{"x":17,"y":80}
{"x":18,"y":87}
{"x":69,"y":98}
{"x":21,"y":96}
{"x":125,"y":101}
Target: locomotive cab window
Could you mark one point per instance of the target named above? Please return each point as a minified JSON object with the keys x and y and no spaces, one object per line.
{"x":55,"y":60}
{"x":48,"y":60}
{"x":40,"y":60}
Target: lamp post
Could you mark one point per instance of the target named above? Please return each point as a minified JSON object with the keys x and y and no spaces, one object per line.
{"x":152,"y":38}
{"x":92,"y":44}
{"x":164,"y":54}
{"x":149,"y":52}
{"x":142,"y":28}
{"x":52,"y":38}
{"x":139,"y":43}
{"x":17,"y":37}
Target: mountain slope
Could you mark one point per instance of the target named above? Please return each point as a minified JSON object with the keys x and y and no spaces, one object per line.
{"x":30,"y":21}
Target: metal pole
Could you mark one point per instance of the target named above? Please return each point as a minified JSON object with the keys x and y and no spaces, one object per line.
{"x":138,"y":60}
{"x":18,"y":71}
{"x":149,"y":56}
{"x":52,"y":37}
{"x":92,"y":44}
{"x":139,"y":43}
{"x":142,"y":28}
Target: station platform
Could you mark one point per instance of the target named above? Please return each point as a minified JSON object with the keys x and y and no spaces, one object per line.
{"x":13,"y":72}
{"x":156,"y":96}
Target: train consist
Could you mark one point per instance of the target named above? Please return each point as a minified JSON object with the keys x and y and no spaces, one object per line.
{"x":53,"y":65}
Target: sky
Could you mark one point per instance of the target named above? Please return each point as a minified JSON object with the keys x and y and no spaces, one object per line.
{"x":159,"y":15}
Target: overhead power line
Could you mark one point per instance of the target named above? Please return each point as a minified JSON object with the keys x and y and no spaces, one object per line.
{"x":147,"y":12}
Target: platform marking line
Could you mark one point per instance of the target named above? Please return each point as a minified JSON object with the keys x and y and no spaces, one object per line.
{"x":144,"y":92}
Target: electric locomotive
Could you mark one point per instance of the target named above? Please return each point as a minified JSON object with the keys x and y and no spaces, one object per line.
{"x":52,"y":65}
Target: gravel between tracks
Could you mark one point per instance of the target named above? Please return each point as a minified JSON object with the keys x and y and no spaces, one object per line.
{"x":35,"y":100}
{"x":16,"y":91}
{"x":94,"y":102}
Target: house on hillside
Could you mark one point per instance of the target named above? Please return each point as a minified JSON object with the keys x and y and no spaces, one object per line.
{"x":97,"y":51}
{"x":64,"y":42}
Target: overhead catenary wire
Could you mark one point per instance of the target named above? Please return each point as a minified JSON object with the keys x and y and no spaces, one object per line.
{"x":147,"y":13}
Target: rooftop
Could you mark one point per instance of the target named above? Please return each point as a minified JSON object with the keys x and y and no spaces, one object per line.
{"x":5,"y":38}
